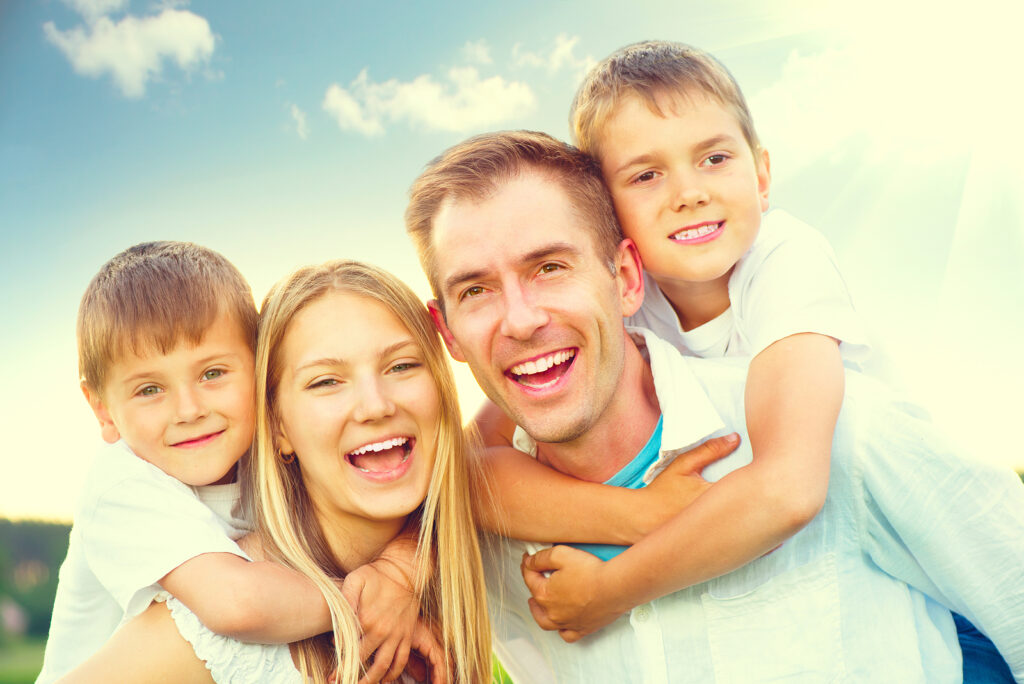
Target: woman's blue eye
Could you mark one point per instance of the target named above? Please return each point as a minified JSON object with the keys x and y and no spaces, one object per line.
{"x":401,"y":367}
{"x":326,"y":382}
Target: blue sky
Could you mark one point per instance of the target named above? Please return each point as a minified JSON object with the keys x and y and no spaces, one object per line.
{"x":287,"y":133}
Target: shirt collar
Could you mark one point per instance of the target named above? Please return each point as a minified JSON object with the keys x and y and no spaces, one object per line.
{"x":690,"y":417}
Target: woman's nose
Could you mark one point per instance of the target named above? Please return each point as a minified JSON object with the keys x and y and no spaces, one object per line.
{"x":372,"y":402}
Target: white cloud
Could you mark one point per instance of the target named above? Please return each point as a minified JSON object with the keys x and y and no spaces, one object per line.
{"x":133,"y":50}
{"x":478,"y":52}
{"x":560,"y":56}
{"x":299,"y":117}
{"x":463,"y":102}
{"x":347,"y":111}
{"x":94,"y":9}
{"x":914,"y":103}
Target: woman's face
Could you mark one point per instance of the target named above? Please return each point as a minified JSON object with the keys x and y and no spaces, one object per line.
{"x":358,"y":407}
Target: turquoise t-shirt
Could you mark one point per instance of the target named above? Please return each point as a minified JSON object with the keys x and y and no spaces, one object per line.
{"x":630,"y":477}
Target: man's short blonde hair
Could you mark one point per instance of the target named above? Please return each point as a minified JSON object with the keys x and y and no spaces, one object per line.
{"x":649,"y":71}
{"x":153,"y":296}
{"x":477,"y":168}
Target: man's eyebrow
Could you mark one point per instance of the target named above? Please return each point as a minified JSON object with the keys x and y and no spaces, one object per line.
{"x":646,"y":157}
{"x":539,"y":254}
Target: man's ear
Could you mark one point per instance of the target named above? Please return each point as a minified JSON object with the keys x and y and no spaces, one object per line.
{"x":108,"y":430}
{"x":442,"y":327}
{"x":764,"y":177}
{"x":630,"y":274}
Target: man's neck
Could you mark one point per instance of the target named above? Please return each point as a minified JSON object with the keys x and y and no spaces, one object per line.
{"x":619,"y":433}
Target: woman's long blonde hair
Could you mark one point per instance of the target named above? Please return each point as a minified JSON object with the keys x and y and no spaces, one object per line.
{"x":451,"y":589}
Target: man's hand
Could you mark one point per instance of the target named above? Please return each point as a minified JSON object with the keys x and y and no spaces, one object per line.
{"x":681,"y":483}
{"x":571,"y":598}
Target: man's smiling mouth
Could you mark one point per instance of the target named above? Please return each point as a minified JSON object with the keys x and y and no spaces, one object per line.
{"x":543,"y":371}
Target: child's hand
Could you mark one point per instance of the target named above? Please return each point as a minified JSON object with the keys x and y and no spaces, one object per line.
{"x":570,"y":599}
{"x":383,"y":599}
{"x":681,"y":483}
{"x":428,"y":656}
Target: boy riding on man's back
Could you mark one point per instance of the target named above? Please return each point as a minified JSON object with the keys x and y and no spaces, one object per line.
{"x":690,"y":182}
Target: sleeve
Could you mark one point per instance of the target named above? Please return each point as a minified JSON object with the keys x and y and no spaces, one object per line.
{"x":141,"y":528}
{"x":790,"y":283}
{"x":230,"y":661}
{"x":949,"y":526}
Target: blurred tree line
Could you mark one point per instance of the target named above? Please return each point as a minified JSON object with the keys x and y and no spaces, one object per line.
{"x":30,"y":556}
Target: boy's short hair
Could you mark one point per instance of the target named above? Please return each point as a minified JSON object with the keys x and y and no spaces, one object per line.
{"x":476,"y":168}
{"x":648,"y":70}
{"x":152,"y":296}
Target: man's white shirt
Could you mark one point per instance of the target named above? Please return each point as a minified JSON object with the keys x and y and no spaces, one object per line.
{"x":842,"y":600}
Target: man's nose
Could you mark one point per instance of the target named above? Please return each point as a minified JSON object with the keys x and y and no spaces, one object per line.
{"x":522,"y":315}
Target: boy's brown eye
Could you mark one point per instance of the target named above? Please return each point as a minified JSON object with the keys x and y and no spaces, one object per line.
{"x":645,"y":176}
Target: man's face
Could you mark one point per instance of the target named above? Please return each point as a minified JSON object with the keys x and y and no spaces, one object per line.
{"x":531,"y":307}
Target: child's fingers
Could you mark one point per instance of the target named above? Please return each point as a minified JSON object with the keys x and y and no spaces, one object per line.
{"x":535,"y":580}
{"x":382,"y":659}
{"x":570,"y":636}
{"x":416,"y":668}
{"x":542,"y":561}
{"x":425,"y":643}
{"x":540,"y":616}
{"x":698,"y":458}
{"x":398,"y":662}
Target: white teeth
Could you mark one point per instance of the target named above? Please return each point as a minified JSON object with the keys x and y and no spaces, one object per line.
{"x":696,"y":232}
{"x":542,"y":364}
{"x":380,"y":446}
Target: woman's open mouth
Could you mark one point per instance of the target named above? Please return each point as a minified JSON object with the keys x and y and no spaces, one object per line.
{"x":381,"y":458}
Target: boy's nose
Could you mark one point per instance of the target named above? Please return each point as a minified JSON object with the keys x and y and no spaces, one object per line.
{"x":190,"y":407}
{"x":372,"y":402}
{"x":688,"y":193}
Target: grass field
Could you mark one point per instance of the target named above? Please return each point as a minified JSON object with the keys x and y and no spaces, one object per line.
{"x":20,"y":660}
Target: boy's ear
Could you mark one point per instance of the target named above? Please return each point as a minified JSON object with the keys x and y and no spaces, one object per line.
{"x":764,"y":177}
{"x":442,"y":327}
{"x":108,"y":430}
{"x":630,"y":274}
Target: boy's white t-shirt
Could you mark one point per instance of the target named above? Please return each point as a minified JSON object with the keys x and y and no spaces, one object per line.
{"x":133,"y":524}
{"x":788,"y":282}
